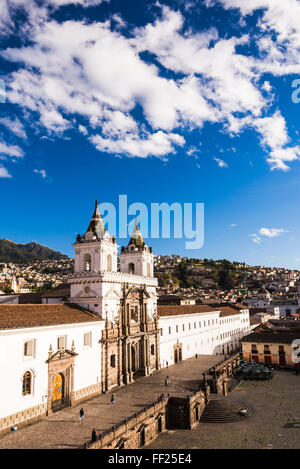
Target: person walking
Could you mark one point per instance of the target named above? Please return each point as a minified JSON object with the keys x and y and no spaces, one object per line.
{"x":196,"y":355}
{"x":113,"y":398}
{"x":167,"y":364}
{"x":94,"y":436}
{"x":81,"y":415}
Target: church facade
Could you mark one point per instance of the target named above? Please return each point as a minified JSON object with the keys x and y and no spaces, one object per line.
{"x":126,"y":300}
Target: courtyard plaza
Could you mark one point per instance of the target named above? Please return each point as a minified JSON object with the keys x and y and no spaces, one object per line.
{"x":275,"y":423}
{"x":62,"y":430}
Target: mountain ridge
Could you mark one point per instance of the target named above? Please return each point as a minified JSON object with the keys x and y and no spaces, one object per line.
{"x":26,"y":253}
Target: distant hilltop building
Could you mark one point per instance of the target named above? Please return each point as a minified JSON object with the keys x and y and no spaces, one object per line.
{"x":102,"y":330}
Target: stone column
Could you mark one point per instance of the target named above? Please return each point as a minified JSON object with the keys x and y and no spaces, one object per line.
{"x":125,"y":359}
{"x":120,"y":376}
{"x":148,"y":369}
{"x":130,"y":373}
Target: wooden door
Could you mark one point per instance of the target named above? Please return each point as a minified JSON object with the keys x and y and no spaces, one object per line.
{"x":282,"y":359}
{"x":58,"y":387}
{"x":176,"y":356}
{"x":268,"y":359}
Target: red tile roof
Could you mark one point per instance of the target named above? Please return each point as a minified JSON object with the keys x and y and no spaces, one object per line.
{"x":183,"y":309}
{"x":228,"y":311}
{"x":23,"y":316}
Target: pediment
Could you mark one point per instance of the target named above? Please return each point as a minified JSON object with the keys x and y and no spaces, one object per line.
{"x":61,"y":355}
{"x":86,"y":292}
{"x":112,"y":293}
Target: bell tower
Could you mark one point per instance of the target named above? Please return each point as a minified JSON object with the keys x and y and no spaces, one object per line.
{"x":95,"y":256}
{"x":96,"y":250}
{"x":136,"y":258}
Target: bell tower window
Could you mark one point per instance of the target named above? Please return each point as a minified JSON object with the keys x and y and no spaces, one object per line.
{"x":87,"y":262}
{"x":131,"y":268}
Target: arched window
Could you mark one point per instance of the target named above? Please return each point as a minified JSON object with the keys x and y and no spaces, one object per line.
{"x":109,"y":262}
{"x":87,"y":262}
{"x":148,"y":270}
{"x":27,"y":383}
{"x":131,"y":268}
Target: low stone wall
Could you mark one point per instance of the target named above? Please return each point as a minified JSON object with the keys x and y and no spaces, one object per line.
{"x":185,"y":412}
{"x":222,"y":372}
{"x":23,"y":417}
{"x":86,"y":393}
{"x":135,"y":432}
{"x":144,"y":427}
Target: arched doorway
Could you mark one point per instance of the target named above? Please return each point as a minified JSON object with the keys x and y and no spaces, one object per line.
{"x":58,"y":392}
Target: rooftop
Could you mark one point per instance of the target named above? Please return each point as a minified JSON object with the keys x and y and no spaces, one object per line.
{"x":23,"y":316}
{"x":183,"y":309}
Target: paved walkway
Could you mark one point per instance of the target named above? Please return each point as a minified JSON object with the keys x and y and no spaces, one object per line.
{"x":63,"y":430}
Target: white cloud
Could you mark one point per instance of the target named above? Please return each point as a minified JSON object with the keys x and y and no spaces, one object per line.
{"x":157,"y":144}
{"x":10,"y":150}
{"x":232,"y":225}
{"x":221,"y":163}
{"x":90,"y":72}
{"x":83,"y":129}
{"x":271,"y":232}
{"x":41,"y":172}
{"x":14,"y":126}
{"x":4,"y":173}
{"x":255,"y":238}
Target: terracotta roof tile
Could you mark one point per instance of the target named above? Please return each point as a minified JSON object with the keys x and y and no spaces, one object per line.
{"x":183,"y":309}
{"x":23,"y":316}
{"x":278,"y":337}
{"x":228,"y":311}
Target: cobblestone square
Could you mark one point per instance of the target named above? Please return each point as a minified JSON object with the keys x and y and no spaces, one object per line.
{"x":274,"y":425}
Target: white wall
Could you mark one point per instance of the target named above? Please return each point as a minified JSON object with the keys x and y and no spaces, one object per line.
{"x":215,"y":334}
{"x":13,"y":364}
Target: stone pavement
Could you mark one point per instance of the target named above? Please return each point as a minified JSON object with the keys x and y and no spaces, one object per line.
{"x":63,"y":430}
{"x":274,"y":425}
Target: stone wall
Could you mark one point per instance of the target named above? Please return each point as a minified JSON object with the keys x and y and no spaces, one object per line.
{"x":23,"y":417}
{"x":144,"y":427}
{"x":135,"y":432}
{"x":222,"y":372}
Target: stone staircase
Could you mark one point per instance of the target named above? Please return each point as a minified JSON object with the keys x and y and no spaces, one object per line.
{"x":222,"y":409}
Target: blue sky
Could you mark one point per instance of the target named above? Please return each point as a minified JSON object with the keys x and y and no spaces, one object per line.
{"x":172,"y":101}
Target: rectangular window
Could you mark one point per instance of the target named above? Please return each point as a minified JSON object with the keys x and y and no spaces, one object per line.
{"x":169,"y":330}
{"x":61,"y":342}
{"x":87,"y":339}
{"x":28,"y":348}
{"x":183,"y":327}
{"x":113,"y":361}
{"x":152,"y":350}
{"x":176,"y":328}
